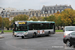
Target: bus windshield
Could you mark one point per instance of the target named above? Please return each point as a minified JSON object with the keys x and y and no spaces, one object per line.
{"x":20,"y":28}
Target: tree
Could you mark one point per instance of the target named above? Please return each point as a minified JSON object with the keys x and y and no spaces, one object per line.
{"x":40,"y":18}
{"x":44,"y":18}
{"x":51,"y":18}
{"x":68,"y":16}
{"x":34,"y":18}
{"x":58,"y":20}
{"x":20,"y":18}
{"x":6,"y":23}
{"x":0,"y":21}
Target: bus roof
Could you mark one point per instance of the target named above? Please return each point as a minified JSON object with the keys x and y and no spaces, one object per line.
{"x":37,"y":21}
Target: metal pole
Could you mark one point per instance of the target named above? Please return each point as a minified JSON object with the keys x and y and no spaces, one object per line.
{"x":2,"y":26}
{"x":2,"y":22}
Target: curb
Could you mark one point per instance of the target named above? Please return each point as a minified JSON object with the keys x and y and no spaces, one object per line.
{"x":59,"y":33}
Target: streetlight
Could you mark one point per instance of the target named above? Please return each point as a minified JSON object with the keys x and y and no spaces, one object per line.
{"x":2,"y":19}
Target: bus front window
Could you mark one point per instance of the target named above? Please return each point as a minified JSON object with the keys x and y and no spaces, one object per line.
{"x":21,"y":28}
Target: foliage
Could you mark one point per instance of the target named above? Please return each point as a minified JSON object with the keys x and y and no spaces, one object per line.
{"x":68,"y":16}
{"x":34,"y":18}
{"x":0,"y":21}
{"x":20,"y":18}
{"x":6,"y":22}
{"x":51,"y":18}
{"x":44,"y":18}
{"x":58,"y":20}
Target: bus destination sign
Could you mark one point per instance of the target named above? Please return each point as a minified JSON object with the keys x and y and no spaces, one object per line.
{"x":21,"y":22}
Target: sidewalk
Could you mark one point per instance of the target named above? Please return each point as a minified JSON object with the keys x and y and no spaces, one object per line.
{"x":59,"y":33}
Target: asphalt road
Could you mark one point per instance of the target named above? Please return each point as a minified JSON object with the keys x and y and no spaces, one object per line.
{"x":53,"y":42}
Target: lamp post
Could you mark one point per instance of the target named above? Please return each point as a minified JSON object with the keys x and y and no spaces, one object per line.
{"x":2,"y":19}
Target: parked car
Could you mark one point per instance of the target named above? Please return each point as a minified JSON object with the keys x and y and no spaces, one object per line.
{"x":69,"y":35}
{"x":70,"y":39}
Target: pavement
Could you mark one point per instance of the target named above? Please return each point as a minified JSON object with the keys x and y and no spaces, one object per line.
{"x":1,"y":35}
{"x":54,"y":42}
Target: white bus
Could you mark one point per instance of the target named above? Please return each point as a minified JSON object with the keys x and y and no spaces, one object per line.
{"x":33,"y":28}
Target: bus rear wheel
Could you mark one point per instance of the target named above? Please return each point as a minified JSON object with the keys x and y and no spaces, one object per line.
{"x":34,"y":35}
{"x":22,"y":37}
{"x":48,"y":34}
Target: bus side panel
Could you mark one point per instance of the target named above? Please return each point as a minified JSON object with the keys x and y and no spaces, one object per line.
{"x":49,"y":30}
{"x":31,"y":32}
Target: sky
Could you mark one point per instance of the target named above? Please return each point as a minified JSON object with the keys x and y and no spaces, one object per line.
{"x":34,"y":4}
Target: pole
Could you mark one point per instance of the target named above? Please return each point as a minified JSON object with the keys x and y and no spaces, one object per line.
{"x":2,"y":22}
{"x":2,"y":26}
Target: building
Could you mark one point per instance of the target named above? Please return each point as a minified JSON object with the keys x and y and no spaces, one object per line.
{"x":48,"y":10}
{"x":36,"y":13}
{"x":10,"y":9}
{"x":44,"y":12}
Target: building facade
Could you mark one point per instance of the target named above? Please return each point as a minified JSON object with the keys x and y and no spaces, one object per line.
{"x":48,"y":10}
{"x":44,"y":12}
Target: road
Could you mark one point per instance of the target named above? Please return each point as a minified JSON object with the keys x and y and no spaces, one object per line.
{"x":53,"y":42}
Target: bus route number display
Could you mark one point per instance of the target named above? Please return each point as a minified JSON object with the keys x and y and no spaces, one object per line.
{"x":21,"y":22}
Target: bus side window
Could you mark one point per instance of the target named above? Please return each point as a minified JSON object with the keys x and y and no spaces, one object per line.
{"x":51,"y":26}
{"x":30,"y":27}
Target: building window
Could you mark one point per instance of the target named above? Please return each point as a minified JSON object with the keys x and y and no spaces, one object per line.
{"x":59,"y":10}
{"x":6,"y":15}
{"x":52,"y":11}
{"x":62,"y":10}
{"x":43,"y":12}
{"x":55,"y":11}
{"x":48,"y":11}
{"x":12,"y":13}
{"x":34,"y":14}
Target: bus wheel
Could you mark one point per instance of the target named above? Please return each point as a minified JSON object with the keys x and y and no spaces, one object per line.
{"x":34,"y":35}
{"x":22,"y":37}
{"x":48,"y":33}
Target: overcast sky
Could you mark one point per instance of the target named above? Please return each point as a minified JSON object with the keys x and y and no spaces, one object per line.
{"x":34,"y":4}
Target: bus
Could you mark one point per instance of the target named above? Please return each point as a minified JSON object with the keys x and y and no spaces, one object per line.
{"x":33,"y":28}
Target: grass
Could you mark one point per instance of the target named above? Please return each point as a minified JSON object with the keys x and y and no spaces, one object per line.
{"x":58,"y":30}
{"x":11,"y":30}
{"x":7,"y":30}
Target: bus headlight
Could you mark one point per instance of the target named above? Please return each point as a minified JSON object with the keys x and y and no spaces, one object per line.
{"x":14,"y":33}
{"x":26,"y":33}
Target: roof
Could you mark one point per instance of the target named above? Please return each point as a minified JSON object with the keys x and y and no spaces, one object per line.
{"x":69,"y":26}
{"x":37,"y":21}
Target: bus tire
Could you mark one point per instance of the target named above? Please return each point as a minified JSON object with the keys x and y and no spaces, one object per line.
{"x":34,"y":35}
{"x":22,"y":37}
{"x":48,"y":33}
